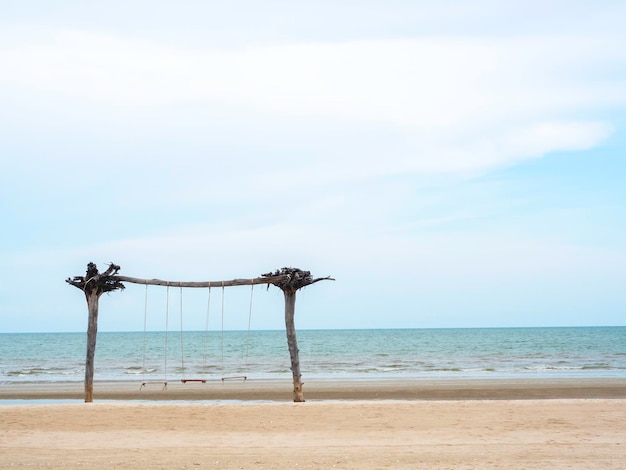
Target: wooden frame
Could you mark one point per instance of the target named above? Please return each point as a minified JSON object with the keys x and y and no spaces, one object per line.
{"x":94,"y":284}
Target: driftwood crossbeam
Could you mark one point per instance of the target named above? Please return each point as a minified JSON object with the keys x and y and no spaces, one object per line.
{"x":204,"y":284}
{"x":94,"y":284}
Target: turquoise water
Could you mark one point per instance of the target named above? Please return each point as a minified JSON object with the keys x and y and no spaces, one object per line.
{"x":418,"y":353}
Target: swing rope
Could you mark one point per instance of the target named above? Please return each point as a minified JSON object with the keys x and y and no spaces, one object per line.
{"x":222,"y":330}
{"x":206,"y":333}
{"x":182,"y":348}
{"x":167,"y":308}
{"x":249,"y":323}
{"x":145,"y":324}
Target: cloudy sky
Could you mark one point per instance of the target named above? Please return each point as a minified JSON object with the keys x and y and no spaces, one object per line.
{"x":451,"y":164}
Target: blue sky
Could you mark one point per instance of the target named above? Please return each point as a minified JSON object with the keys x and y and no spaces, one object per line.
{"x":456,"y":165}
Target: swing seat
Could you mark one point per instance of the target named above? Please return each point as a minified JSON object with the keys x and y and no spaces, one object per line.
{"x":235,"y":377}
{"x":145,"y":383}
{"x":193,"y":380}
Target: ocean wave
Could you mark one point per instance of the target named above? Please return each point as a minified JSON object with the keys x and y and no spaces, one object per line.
{"x":600,"y":365}
{"x":37,"y":371}
{"x":138,"y":371}
{"x":19,"y":373}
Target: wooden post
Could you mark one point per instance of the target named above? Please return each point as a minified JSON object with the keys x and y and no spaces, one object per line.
{"x":94,"y":284}
{"x":297,"y":280}
{"x":92,"y":333}
{"x":292,"y":343}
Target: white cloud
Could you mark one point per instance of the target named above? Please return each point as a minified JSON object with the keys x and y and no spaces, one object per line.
{"x":426,"y":83}
{"x":453,"y":105}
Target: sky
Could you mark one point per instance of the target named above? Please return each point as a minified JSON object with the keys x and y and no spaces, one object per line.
{"x":450,"y":164}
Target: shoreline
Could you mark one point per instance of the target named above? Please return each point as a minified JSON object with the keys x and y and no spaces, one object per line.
{"x":328,"y":389}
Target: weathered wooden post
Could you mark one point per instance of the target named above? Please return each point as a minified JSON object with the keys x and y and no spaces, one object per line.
{"x":292,"y":343}
{"x":94,"y":284}
{"x":297,"y":279}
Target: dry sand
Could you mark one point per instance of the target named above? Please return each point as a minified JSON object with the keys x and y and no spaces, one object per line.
{"x":441,"y":431}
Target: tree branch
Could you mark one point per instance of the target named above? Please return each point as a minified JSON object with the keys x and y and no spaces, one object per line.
{"x":296,"y":279}
{"x":93,"y":281}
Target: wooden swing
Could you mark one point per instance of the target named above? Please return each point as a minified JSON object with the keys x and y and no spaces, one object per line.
{"x":237,"y":377}
{"x":206,"y":335}
{"x":145,"y":324}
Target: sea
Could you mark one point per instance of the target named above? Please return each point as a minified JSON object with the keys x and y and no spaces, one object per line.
{"x":586,"y":352}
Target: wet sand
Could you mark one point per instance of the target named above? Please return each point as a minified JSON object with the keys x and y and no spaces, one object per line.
{"x":280,"y":390}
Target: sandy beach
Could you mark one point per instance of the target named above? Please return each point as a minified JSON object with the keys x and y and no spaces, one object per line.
{"x":377,"y":424}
